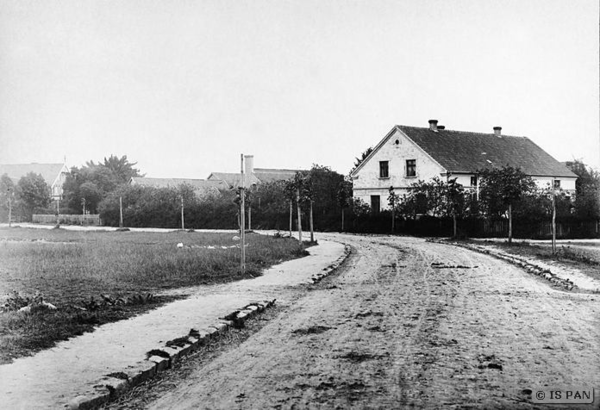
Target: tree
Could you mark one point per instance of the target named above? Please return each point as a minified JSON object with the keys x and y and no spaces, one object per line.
{"x":587,"y":190}
{"x":393,"y":202}
{"x":33,"y":192}
{"x":363,"y":156}
{"x":344,"y":197}
{"x":121,"y":168}
{"x":7,"y":197}
{"x":93,"y":182}
{"x":456,"y":202}
{"x":501,"y":188}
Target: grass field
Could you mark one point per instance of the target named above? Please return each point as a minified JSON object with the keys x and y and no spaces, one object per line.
{"x":72,"y":269}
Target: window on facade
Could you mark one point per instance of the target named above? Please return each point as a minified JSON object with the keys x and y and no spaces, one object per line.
{"x":473,"y":181}
{"x":375,"y":204}
{"x":557,"y":183}
{"x":384,"y":170}
{"x":411,"y":167}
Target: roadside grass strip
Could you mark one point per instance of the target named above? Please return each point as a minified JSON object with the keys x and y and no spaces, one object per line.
{"x":532,"y":268}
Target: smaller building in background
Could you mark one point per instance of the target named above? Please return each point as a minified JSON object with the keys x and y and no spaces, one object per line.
{"x":53,"y":174}
{"x":253,"y":175}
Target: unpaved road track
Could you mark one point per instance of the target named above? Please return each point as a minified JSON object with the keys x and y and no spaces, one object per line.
{"x":408,"y":323}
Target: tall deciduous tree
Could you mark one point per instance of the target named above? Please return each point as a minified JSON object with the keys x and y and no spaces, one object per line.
{"x":33,"y":192}
{"x":587,"y":194}
{"x":93,"y":182}
{"x":344,"y":197}
{"x":501,"y":188}
{"x":121,"y":168}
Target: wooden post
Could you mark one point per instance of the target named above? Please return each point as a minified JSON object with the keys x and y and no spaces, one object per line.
{"x":9,"y":208}
{"x":242,"y":221}
{"x":553,"y":220}
{"x":120,"y":212}
{"x":299,"y":217}
{"x":509,"y":224}
{"x":342,"y":219}
{"x":182,"y":218}
{"x":312,"y":231}
{"x":291,"y":216}
{"x":249,"y":217}
{"x":58,"y":211}
{"x":455,"y":230}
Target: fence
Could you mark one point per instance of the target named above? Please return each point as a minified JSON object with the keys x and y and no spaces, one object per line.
{"x":68,"y":219}
{"x":475,"y":227}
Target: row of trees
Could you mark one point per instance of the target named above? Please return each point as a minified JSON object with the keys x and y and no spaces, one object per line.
{"x":83,"y":189}
{"x":314,"y":200}
{"x":319,"y":199}
{"x":504,"y":192}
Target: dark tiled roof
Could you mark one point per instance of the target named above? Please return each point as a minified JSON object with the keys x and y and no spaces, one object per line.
{"x":465,"y":152}
{"x":48,"y":171}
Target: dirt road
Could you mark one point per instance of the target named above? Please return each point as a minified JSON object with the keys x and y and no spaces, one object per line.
{"x":408,"y":323}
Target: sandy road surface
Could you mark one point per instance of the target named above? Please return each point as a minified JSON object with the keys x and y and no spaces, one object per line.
{"x":408,"y":324}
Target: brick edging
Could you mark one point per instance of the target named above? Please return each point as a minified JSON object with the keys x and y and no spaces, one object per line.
{"x":332,"y":267}
{"x":161,"y":359}
{"x":543,"y":273}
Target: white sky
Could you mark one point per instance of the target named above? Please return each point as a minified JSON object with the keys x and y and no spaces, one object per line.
{"x":185,"y":87}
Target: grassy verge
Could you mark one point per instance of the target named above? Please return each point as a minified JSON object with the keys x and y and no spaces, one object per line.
{"x":99,"y":277}
{"x":586,"y":260}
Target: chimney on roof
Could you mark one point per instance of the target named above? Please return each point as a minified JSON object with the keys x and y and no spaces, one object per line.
{"x":248,"y":169}
{"x":248,"y":164}
{"x":433,"y":125}
{"x":441,"y":127}
{"x":498,"y":131}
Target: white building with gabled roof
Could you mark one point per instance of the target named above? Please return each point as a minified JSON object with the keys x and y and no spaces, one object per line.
{"x":408,"y":154}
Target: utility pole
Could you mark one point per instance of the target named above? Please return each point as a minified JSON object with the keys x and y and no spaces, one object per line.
{"x":58,"y":211}
{"x":242,"y":220}
{"x":553,"y":218}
